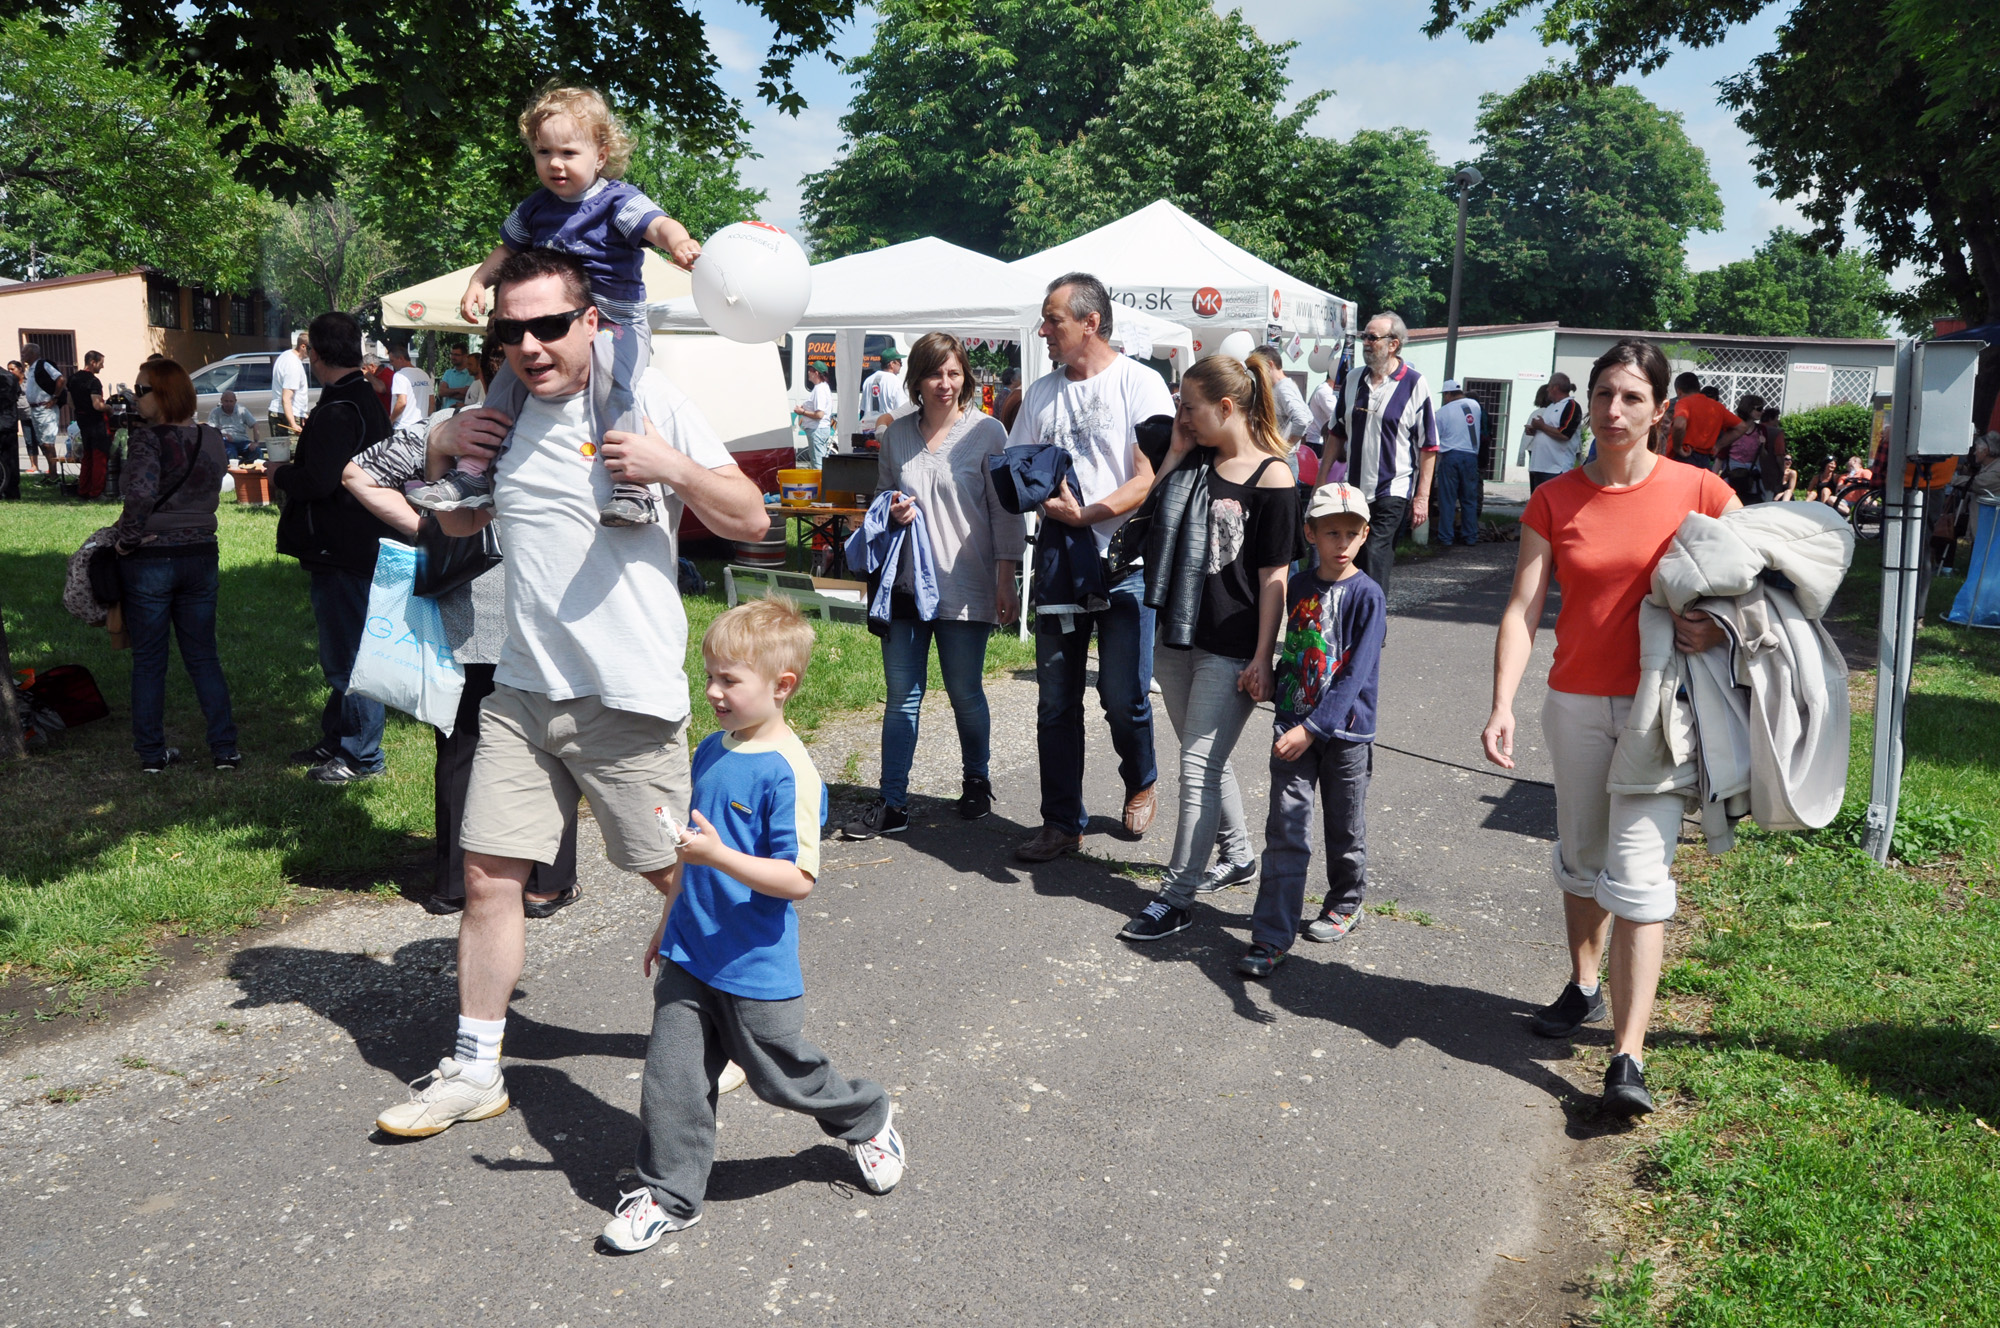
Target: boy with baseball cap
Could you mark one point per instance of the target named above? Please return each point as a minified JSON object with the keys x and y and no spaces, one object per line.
{"x":1335,"y":618}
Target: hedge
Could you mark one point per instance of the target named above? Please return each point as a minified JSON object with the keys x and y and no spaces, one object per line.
{"x":1830,"y":431}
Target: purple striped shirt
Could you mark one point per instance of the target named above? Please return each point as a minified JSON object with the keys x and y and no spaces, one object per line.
{"x":1386,"y":430}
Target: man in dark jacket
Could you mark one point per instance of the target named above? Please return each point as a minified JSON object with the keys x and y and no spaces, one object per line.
{"x":335,"y":539}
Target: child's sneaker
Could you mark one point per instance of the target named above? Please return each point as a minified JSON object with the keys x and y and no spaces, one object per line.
{"x":881,"y":1158}
{"x":456,"y":491}
{"x":640,"y":1222}
{"x":1261,"y":960}
{"x":630,"y":505}
{"x":731,"y":1078}
{"x":1333,"y":926}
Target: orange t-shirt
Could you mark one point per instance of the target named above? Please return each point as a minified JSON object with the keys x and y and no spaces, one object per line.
{"x":1606,"y":543}
{"x":1706,"y":418}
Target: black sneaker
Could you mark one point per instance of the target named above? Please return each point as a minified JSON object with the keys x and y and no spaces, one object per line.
{"x":317,"y":754}
{"x":1625,"y":1088}
{"x":878,"y":819}
{"x":441,"y":908}
{"x":1260,"y":960}
{"x":1157,"y":921}
{"x":548,"y":908}
{"x":977,"y":800}
{"x":1226,"y":873}
{"x":153,"y":765}
{"x":1569,"y":1012}
{"x":339,"y":771}
{"x":233,"y":761}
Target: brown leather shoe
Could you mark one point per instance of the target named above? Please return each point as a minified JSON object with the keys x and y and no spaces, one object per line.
{"x":1048,"y":845}
{"x":1139,"y":809}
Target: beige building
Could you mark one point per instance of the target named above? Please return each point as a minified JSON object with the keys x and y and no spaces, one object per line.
{"x":130,"y":316}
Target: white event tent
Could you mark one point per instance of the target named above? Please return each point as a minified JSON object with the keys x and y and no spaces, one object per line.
{"x":929,"y":285}
{"x":1161,"y":261}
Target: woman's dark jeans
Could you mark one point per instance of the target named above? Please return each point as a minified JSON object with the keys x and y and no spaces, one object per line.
{"x":176,"y":591}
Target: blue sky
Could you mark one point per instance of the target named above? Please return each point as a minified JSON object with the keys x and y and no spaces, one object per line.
{"x":1371,"y":54}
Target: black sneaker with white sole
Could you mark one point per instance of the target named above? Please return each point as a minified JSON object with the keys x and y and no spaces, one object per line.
{"x":1625,"y":1088}
{"x":878,"y":818}
{"x":1156,"y":921}
{"x":977,"y":799}
{"x":1226,"y":874}
{"x":153,"y":765}
{"x":1568,"y":1012}
{"x":317,"y":754}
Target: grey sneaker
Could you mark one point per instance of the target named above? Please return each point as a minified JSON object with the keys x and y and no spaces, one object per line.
{"x":1224,"y":874}
{"x":630,"y":505}
{"x":1333,"y":926}
{"x":455,"y":491}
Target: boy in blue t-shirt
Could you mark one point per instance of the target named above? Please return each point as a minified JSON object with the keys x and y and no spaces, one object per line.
{"x":583,"y":208}
{"x":727,"y":947}
{"x":1335,"y":618}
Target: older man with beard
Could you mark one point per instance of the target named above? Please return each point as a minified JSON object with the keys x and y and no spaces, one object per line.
{"x":1388,"y":436}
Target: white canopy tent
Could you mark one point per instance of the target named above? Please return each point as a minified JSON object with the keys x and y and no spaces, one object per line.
{"x":1159,"y":260}
{"x":930,"y":285}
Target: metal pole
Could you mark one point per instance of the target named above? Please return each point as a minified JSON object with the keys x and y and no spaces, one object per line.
{"x":1902,"y":545}
{"x":1457,"y":275}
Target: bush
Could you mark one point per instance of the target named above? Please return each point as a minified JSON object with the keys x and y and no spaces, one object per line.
{"x":1830,"y":431}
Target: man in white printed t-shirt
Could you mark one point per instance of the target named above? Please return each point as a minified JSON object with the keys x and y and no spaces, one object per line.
{"x":409,"y":391}
{"x":590,"y":698}
{"x":1091,"y":406}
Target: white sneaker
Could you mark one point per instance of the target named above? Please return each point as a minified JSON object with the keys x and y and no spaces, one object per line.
{"x":732,"y":1078}
{"x":449,"y":1097}
{"x":881,"y":1158}
{"x":640,"y":1222}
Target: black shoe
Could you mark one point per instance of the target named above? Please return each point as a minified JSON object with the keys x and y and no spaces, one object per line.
{"x":153,"y":765}
{"x":233,"y":761}
{"x":977,"y":800}
{"x":317,"y":754}
{"x":548,"y":908}
{"x":879,"y":818}
{"x":1226,"y":873}
{"x":1157,"y":921}
{"x":441,"y":908}
{"x":1625,"y":1088}
{"x":1569,"y":1012}
{"x":339,"y":770}
{"x":1260,"y":960}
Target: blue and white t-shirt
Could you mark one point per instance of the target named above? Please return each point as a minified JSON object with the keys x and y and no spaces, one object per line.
{"x":764,"y":799}
{"x":605,"y":227}
{"x":1458,"y":425}
{"x":1386,"y":428}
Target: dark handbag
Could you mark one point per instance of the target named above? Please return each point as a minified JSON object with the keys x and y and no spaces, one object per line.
{"x":107,"y":587}
{"x":446,"y":562}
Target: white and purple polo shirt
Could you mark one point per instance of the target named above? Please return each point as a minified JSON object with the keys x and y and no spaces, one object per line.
{"x":1387,"y":427}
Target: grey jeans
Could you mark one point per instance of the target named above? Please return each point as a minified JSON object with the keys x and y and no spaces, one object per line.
{"x":1340,"y":771}
{"x":1208,"y":715}
{"x":696,"y":1031}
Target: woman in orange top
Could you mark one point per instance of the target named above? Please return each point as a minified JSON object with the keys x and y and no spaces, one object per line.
{"x":1599,"y":531}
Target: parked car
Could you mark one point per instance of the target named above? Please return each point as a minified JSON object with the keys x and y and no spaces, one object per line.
{"x":247,"y":375}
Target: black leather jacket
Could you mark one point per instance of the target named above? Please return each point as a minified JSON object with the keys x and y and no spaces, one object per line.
{"x":1177,"y":549}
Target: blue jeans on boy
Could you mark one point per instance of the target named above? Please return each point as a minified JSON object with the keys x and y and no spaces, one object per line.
{"x":906,"y":657}
{"x":175,"y":592}
{"x":1458,"y":497}
{"x":349,"y":723}
{"x":1124,"y":687}
{"x":1340,"y":772}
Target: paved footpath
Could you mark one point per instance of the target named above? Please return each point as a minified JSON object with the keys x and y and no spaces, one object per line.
{"x":1098,"y":1133}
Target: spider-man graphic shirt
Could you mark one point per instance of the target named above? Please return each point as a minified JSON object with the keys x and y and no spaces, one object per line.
{"x":1329,"y":667}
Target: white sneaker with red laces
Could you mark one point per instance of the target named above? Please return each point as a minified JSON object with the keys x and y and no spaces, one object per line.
{"x":640,"y":1222}
{"x":881,"y":1158}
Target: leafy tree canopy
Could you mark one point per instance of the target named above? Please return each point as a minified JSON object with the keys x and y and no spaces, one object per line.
{"x":1789,"y":289}
{"x":418,"y":73}
{"x":1585,"y":211}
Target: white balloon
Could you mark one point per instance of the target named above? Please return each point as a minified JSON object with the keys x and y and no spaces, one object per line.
{"x":1237,"y":344}
{"x":752,"y":282}
{"x":1320,"y":360}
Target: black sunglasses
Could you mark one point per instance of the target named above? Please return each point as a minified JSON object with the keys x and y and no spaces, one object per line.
{"x":549,"y":327}
{"x":1371,"y":338}
{"x":141,"y":390}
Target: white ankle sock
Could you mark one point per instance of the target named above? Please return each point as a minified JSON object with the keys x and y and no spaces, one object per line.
{"x":479,"y":1046}
{"x":1589,"y":991}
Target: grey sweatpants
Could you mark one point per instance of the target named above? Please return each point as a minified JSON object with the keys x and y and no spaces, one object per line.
{"x":696,"y":1031}
{"x":1340,"y":771}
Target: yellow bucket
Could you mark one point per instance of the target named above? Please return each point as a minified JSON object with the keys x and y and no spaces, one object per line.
{"x":798,"y":488}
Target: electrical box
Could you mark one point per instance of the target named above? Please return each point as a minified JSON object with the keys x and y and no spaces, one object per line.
{"x":1941,"y":407}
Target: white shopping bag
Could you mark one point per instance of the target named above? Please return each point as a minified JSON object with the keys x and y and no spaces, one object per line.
{"x":405,"y":660}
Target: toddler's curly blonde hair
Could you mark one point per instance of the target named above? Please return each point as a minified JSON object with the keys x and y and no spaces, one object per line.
{"x":588,"y":108}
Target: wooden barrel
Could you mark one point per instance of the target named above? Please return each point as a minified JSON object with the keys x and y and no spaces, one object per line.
{"x":766,"y":552}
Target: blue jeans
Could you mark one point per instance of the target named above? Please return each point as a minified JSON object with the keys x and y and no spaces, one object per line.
{"x":1458,"y":497}
{"x":176,"y":592}
{"x":1124,"y":688}
{"x":906,"y":657}
{"x":352,"y":724}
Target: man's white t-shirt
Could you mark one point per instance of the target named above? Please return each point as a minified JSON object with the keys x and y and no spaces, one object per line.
{"x":881,"y":394}
{"x":1094,"y":421}
{"x":1553,"y":456}
{"x":593,"y":610}
{"x":1458,"y":425}
{"x":414,"y":385}
{"x":288,"y":370}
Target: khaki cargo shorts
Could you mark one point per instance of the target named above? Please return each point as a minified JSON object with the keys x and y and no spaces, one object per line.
{"x":536,"y":756}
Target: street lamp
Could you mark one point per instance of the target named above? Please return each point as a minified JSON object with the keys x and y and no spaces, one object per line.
{"x":1465,"y":180}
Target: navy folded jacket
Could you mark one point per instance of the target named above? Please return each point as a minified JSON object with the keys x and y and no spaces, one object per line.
{"x":877,"y":549}
{"x":1067,"y":568}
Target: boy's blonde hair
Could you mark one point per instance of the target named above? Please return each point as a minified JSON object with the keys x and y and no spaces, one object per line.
{"x":770,"y":635}
{"x":588,"y":108}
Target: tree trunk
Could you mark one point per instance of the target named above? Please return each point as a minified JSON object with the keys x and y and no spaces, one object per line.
{"x":11,"y":746}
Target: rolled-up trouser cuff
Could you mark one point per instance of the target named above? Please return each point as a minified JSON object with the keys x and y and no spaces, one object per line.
{"x":1566,"y":881}
{"x":1637,"y":903}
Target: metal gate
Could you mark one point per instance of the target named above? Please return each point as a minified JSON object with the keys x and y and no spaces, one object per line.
{"x":1850,"y":387}
{"x":1492,"y":395}
{"x":58,"y":348}
{"x":1735,"y":370}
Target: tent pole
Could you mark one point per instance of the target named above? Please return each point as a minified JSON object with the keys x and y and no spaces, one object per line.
{"x":1896,"y":623}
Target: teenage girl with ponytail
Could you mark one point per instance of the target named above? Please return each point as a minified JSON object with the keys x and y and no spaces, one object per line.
{"x":1230,"y":412}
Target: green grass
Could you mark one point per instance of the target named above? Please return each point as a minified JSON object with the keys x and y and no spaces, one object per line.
{"x":100,"y":862}
{"x":1830,"y":1155}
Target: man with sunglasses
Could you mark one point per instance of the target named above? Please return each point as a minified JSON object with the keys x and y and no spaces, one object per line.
{"x":590,"y":698}
{"x":1387,"y":434}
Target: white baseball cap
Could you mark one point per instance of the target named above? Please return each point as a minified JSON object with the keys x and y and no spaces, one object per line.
{"x":1331,"y":499}
{"x":1452,"y":385}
